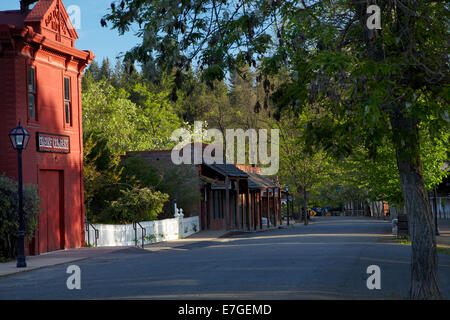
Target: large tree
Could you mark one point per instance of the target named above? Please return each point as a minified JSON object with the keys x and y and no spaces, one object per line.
{"x":374,"y":84}
{"x":301,"y":169}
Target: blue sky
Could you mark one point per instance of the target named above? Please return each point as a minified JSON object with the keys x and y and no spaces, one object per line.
{"x":92,"y":36}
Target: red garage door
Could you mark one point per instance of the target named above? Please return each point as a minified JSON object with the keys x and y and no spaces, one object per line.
{"x":51,"y":219}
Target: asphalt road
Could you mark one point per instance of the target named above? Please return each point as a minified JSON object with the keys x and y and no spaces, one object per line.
{"x":327,"y":259}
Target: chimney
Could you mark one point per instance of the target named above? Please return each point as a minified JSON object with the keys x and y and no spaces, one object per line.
{"x":24,"y":5}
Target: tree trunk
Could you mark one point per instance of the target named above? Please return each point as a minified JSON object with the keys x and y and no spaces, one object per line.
{"x":424,"y":258}
{"x":305,"y":204}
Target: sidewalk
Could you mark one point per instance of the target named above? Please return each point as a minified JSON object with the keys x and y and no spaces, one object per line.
{"x":71,"y":255}
{"x":444,"y":230}
{"x":55,"y":258}
{"x":205,"y":237}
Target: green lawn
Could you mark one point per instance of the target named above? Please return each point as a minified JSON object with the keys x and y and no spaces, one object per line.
{"x":404,"y":241}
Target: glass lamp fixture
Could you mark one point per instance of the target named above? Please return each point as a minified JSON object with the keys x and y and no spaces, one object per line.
{"x":19,"y":137}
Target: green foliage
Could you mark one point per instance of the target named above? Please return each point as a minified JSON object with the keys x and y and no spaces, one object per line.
{"x":127,"y":126}
{"x":176,"y":181}
{"x":102,"y":178}
{"x":150,"y":238}
{"x":97,"y":151}
{"x":136,"y":170}
{"x":9,"y":214}
{"x":361,"y":77}
{"x":301,"y":170}
{"x":182,"y":33}
{"x":119,"y":192}
{"x":135,"y":204}
{"x":120,"y":114}
{"x":180,"y":183}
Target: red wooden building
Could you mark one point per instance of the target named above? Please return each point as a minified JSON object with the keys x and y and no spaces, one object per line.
{"x":40,"y":72}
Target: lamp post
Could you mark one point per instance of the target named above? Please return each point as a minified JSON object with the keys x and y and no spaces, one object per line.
{"x":287,"y":203}
{"x":435,"y":213}
{"x":292,"y":206}
{"x":19,"y":138}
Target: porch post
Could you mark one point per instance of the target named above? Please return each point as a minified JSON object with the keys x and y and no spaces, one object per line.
{"x":279,"y":206}
{"x":258,"y":196}
{"x":227,"y":202}
{"x":268,"y":207}
{"x":274,"y":209}
{"x":249,"y":210}
{"x":238,"y":205}
{"x":255,"y":221}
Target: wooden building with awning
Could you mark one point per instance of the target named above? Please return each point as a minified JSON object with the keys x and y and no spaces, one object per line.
{"x":224,"y":197}
{"x":232,"y":197}
{"x":265,"y":197}
{"x":236,"y":197}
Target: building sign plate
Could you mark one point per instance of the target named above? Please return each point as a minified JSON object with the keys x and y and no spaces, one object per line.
{"x":50,"y":142}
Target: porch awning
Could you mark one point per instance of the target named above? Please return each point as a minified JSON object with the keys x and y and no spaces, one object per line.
{"x":227,"y":169}
{"x":256,"y":181}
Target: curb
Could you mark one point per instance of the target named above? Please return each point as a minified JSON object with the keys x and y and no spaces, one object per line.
{"x":240,"y":232}
{"x":41,"y":267}
{"x":52,"y":264}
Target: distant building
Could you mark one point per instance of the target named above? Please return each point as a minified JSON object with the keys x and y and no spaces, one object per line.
{"x":232,"y":197}
{"x":40,"y":71}
{"x":442,"y":198}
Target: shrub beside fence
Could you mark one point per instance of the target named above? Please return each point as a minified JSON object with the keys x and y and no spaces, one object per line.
{"x":156,"y":231}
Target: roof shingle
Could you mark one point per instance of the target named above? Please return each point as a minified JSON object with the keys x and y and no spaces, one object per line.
{"x":256,"y":181}
{"x":227,"y":169}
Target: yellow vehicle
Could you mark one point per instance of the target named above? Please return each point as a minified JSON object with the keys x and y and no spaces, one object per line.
{"x":312,"y":213}
{"x":316,"y":211}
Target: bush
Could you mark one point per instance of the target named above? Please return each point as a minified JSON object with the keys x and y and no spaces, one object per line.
{"x":9,"y":214}
{"x":137,"y":205}
{"x":176,"y":181}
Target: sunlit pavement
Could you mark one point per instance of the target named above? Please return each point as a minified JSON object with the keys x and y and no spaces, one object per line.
{"x":327,"y":259}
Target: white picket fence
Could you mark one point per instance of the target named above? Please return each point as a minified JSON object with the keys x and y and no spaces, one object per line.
{"x":156,"y":231}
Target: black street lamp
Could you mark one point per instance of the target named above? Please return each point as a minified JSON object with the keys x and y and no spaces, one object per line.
{"x":19,"y":138}
{"x":287,"y":203}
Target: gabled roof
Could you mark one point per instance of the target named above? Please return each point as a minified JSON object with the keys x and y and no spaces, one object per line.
{"x":42,"y":15}
{"x":39,"y":10}
{"x":44,"y":11}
